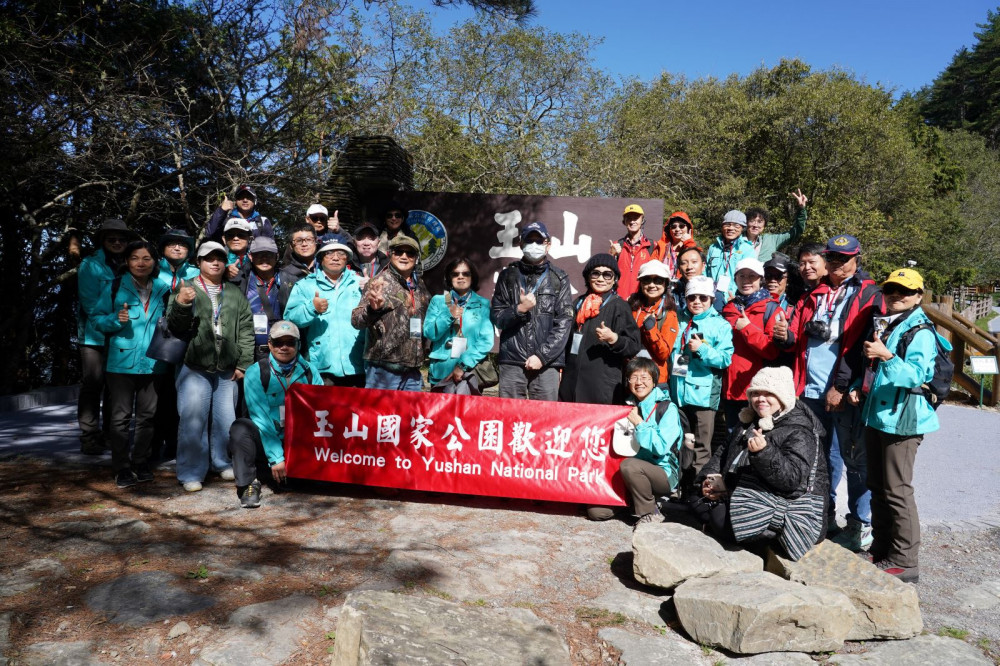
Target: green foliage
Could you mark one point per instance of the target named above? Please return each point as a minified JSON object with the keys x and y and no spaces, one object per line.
{"x":200,"y":573}
{"x":952,"y":632}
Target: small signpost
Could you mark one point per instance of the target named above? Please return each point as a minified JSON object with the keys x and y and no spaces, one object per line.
{"x":983,"y":365}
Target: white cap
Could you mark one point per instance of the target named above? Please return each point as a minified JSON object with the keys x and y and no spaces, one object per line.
{"x":282,"y":328}
{"x":700,"y":284}
{"x":752,"y":264}
{"x":318,"y":209}
{"x":208,"y":247}
{"x":238,"y":223}
{"x":330,"y":247}
{"x":654,"y":267}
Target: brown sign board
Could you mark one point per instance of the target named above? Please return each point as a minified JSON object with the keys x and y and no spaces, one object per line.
{"x":486,"y":229}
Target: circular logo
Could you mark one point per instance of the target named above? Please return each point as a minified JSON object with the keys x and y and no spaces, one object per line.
{"x":840,"y":241}
{"x":432,"y":236}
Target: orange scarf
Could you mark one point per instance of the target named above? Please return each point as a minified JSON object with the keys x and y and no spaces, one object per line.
{"x":589,"y":309}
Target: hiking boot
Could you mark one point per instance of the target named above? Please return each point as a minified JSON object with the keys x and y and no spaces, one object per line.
{"x":856,"y":536}
{"x":905,"y":574}
{"x":142,"y":473}
{"x":648,"y":518}
{"x":250,"y":497}
{"x":192,"y":486}
{"x":125,"y":478}
{"x":227,"y":474}
{"x":92,"y":447}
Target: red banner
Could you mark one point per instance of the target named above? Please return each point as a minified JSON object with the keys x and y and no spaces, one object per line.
{"x":454,"y":444}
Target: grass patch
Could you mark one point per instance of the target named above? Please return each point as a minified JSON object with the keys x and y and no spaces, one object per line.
{"x":983,"y":643}
{"x":600,"y":617}
{"x":952,"y":632}
{"x":201,"y":573}
{"x":326,"y":590}
{"x":441,"y":594}
{"x":705,"y":649}
{"x":331,"y":635}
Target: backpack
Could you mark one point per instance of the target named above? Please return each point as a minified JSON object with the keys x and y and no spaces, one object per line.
{"x":940,"y":385}
{"x":265,"y":373}
{"x":661,"y":409}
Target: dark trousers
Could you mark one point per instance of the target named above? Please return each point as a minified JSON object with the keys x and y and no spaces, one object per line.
{"x":895,"y":523}
{"x":247,"y":451}
{"x":644,"y":481}
{"x":702,"y":422}
{"x":131,"y":394}
{"x":350,"y":381}
{"x":88,"y":409}
{"x":166,"y":419}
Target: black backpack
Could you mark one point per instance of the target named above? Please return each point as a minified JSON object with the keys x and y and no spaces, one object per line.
{"x":940,"y":385}
{"x":661,"y":409}
{"x":265,"y":373}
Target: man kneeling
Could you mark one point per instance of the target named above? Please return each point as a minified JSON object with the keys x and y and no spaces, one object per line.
{"x":255,"y":444}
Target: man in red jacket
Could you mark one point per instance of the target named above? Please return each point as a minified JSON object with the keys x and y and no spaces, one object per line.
{"x":632,"y":250}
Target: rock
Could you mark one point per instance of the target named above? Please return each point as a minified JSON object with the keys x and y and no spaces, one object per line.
{"x":670,"y":649}
{"x":886,"y":607}
{"x":5,"y":619}
{"x":179,"y":629}
{"x":774,"y":659}
{"x":633,"y":605}
{"x":385,"y":628}
{"x":74,"y":653}
{"x":120,"y":530}
{"x":667,"y":554}
{"x":260,"y":634}
{"x":920,"y":651}
{"x":982,"y":596}
{"x":29,"y":575}
{"x":750,"y":613}
{"x":142,"y":598}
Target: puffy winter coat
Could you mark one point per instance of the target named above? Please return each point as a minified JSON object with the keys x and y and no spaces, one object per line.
{"x":332,"y":343}
{"x":544,"y":330}
{"x":702,"y":385}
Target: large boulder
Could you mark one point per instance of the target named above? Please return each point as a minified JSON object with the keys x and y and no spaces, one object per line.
{"x":667,"y":554}
{"x":929,"y":650}
{"x":887,"y":607}
{"x":383,"y":628}
{"x":749,"y":613}
{"x":260,"y":634}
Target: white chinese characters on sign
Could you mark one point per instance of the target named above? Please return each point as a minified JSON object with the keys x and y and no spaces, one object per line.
{"x":455,"y":444}
{"x":388,"y":429}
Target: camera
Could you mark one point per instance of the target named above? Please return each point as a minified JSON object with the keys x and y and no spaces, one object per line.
{"x":817,"y":329}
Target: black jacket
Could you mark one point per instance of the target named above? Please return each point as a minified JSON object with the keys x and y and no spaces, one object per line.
{"x":288,"y":275}
{"x":544,"y":330}
{"x":594,"y":374}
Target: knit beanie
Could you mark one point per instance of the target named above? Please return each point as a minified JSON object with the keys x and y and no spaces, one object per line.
{"x":776,"y":381}
{"x":602,"y":260}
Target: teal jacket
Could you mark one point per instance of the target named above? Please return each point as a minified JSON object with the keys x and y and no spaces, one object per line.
{"x":333,"y":345}
{"x":768,"y":244}
{"x":702,"y":385}
{"x":127,"y":343}
{"x":660,"y":442}
{"x":185,"y":271}
{"x":721,"y":264}
{"x":265,"y":408}
{"x":207,"y":352}
{"x":890,"y":407}
{"x":92,"y":278}
{"x":439,"y":329}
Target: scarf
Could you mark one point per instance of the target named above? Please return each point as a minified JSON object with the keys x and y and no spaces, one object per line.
{"x":589,"y":309}
{"x":460,"y":301}
{"x":744,"y":301}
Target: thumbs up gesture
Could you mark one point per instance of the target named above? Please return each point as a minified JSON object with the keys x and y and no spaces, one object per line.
{"x":605,"y":334}
{"x":615,"y":248}
{"x":123,"y":314}
{"x":333,"y":224}
{"x":227,"y":203}
{"x":319,"y":303}
{"x":875,"y":348}
{"x":780,"y":331}
{"x":526,"y":302}
{"x":185,"y":295}
{"x":743,"y":321}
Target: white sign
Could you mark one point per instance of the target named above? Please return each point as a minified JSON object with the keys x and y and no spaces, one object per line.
{"x":984,"y":365}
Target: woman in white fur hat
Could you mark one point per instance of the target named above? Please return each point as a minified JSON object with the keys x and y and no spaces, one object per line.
{"x":770,"y":481}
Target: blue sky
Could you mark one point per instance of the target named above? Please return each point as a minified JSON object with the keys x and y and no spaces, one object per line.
{"x":902,"y":45}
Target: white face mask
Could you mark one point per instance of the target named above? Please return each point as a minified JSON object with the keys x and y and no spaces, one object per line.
{"x":533,"y":251}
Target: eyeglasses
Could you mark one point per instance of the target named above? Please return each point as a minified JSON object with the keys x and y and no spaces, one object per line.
{"x":698,"y":297}
{"x":393,"y":215}
{"x":602,"y":275}
{"x":731,"y":224}
{"x":461,"y":274}
{"x":115,"y":239}
{"x":640,"y":379}
{"x":303,"y":241}
{"x":837,"y":258}
{"x":898,"y":290}
{"x":653,"y":280}
{"x":404,"y":252}
{"x":284,"y":342}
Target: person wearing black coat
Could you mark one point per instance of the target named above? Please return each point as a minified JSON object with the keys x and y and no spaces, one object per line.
{"x":774,"y":449}
{"x":603,"y":339}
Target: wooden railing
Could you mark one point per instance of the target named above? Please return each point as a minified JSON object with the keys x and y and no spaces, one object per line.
{"x":963,"y":333}
{"x":971,"y":303}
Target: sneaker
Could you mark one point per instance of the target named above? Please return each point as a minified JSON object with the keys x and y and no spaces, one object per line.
{"x":228,"y":474}
{"x":856,"y":536}
{"x":648,"y":518}
{"x":125,"y":478}
{"x":905,"y":574}
{"x":250,"y":497}
{"x":142,"y":473}
{"x":92,"y":447}
{"x":192,"y":486}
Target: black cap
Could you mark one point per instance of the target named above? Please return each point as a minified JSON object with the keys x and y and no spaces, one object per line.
{"x":176,"y":235}
{"x":778,"y":261}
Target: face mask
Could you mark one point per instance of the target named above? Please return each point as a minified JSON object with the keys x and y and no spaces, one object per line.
{"x":533,"y":251}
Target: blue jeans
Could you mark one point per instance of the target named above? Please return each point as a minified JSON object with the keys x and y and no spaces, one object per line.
{"x":377,"y":377}
{"x":834,"y":463}
{"x":201,"y":395}
{"x":851,"y":438}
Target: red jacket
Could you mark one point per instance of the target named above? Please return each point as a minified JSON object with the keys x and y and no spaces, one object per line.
{"x":853,"y":319}
{"x":752,"y":346}
{"x":630,"y":260}
{"x":659,"y":340}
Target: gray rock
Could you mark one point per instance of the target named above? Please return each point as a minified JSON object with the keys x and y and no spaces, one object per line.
{"x":633,"y":605}
{"x":74,"y":653}
{"x":667,"y":554}
{"x":670,"y":649}
{"x":920,"y":651}
{"x":751,"y":613}
{"x":5,"y":619}
{"x":29,"y":575}
{"x":384,"y":628}
{"x":142,"y":598}
{"x":260,"y":634}
{"x":179,"y":629}
{"x":774,"y":659}
{"x":116,"y":531}
{"x":886,"y":607}
{"x":982,"y":596}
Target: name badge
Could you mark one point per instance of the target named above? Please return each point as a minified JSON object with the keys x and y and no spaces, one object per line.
{"x":260,"y":324}
{"x":574,"y":347}
{"x":281,"y":415}
{"x":458,"y":347}
{"x":416,"y":328}
{"x":723,"y":284}
{"x":834,"y":332}
{"x":217,"y":327}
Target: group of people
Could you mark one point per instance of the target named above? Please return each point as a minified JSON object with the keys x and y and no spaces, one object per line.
{"x":802,"y":358}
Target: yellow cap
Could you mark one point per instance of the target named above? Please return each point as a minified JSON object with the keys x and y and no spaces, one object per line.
{"x":905,"y":277}
{"x":633,"y":208}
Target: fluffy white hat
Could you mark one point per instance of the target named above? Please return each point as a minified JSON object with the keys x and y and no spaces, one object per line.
{"x":776,"y":381}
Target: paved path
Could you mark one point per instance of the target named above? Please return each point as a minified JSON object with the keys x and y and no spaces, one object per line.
{"x":993,"y":325}
{"x":956,"y":469}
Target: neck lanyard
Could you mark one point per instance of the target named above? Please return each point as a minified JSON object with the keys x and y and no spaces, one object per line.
{"x":832,"y":300}
{"x":413,"y":298}
{"x":277,"y":373}
{"x":686,"y":335}
{"x":217,"y":311}
{"x":537,"y":284}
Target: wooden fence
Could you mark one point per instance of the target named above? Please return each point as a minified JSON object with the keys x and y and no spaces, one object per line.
{"x":964,"y":334}
{"x":971,"y":302}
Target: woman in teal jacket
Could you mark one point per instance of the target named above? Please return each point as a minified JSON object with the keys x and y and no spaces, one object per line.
{"x":127,"y":312}
{"x":702,"y":353}
{"x":458,"y":324}
{"x":321,"y":304}
{"x":897,"y":415}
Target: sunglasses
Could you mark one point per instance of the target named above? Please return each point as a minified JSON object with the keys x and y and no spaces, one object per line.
{"x":602,"y":275}
{"x":837,"y":258}
{"x":461,"y":274}
{"x":236,"y":234}
{"x":404,"y":252}
{"x":318,"y":218}
{"x":652,"y":280}
{"x":895,"y":289}
{"x":392,"y":215}
{"x":777,"y":275}
{"x":677,"y":225}
{"x":699,"y":297}
{"x":284,"y":342}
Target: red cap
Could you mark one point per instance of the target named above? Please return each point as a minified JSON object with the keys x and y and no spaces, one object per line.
{"x":682,"y":215}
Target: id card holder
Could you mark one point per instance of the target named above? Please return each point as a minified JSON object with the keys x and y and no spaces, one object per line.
{"x":416,"y":328}
{"x":281,"y":415}
{"x":723,"y":284}
{"x":217,"y":327}
{"x":574,"y":347}
{"x":866,"y":384}
{"x":458,"y":346}
{"x":834,"y":331}
{"x":260,"y":324}
{"x":680,"y":368}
